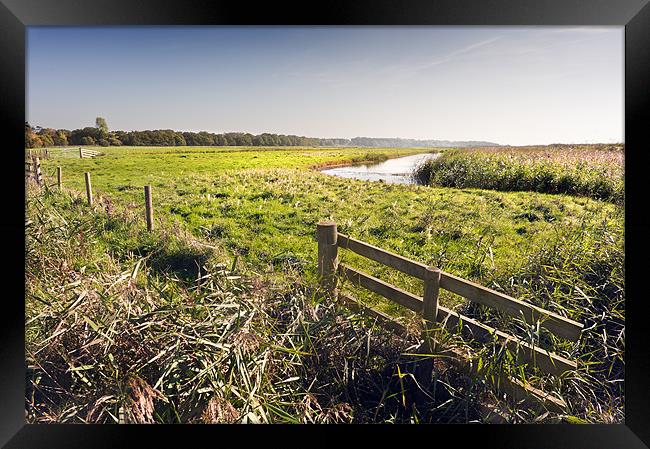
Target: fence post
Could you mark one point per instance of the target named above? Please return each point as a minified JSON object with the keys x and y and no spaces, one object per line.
{"x":326,"y":234}
{"x":59,"y":177}
{"x":89,"y":189}
{"x":30,"y":169}
{"x":429,"y":314}
{"x":81,"y":155}
{"x":37,"y":169}
{"x":148,"y":205}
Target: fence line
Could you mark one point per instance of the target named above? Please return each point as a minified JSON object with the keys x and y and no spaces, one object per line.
{"x":329,"y":240}
{"x":42,"y":153}
{"x":83,"y":152}
{"x":33,"y":170}
{"x":560,"y":326}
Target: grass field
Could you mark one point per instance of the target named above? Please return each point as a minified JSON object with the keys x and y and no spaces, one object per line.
{"x":260,"y":207}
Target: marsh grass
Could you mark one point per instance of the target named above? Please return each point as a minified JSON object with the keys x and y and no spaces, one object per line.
{"x":595,"y":171}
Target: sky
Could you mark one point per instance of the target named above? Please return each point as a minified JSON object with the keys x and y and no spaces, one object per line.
{"x":509,"y":85}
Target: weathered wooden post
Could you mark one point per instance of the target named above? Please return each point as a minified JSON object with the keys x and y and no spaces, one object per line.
{"x":37,"y":170}
{"x":29,"y":167}
{"x":429,"y":314}
{"x":148,"y":205}
{"x":89,"y":189}
{"x":81,"y":154}
{"x":326,"y":234}
{"x":28,"y":170}
{"x":59,"y":178}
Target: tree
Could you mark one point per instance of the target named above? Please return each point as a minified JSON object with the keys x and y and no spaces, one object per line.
{"x":220,"y":140}
{"x":30,"y":136}
{"x":77,"y":136}
{"x":122,"y":137}
{"x":103,"y":136}
{"x":60,"y":138}
{"x":100,"y":122}
{"x":47,"y":136}
{"x":179,"y":140}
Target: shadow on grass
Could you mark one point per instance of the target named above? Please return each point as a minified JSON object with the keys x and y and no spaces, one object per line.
{"x":372,"y":372}
{"x":184,"y":263}
{"x":176,"y":258}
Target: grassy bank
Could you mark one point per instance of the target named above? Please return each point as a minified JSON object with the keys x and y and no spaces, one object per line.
{"x":592,"y":171}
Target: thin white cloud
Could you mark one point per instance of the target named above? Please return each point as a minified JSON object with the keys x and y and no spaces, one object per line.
{"x":462,"y":51}
{"x":581,"y":35}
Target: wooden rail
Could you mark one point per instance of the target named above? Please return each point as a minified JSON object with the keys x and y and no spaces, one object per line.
{"x":37,"y":152}
{"x":375,"y":285}
{"x":83,"y":152}
{"x":329,"y":240}
{"x":560,"y":326}
{"x":546,"y":361}
{"x":530,"y":396}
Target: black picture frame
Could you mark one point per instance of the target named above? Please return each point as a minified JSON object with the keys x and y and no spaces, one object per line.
{"x":16,"y":15}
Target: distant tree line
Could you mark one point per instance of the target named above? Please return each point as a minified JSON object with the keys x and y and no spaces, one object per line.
{"x":37,"y":137}
{"x":414,"y":143}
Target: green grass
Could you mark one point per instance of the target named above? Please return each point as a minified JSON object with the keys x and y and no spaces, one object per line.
{"x":222,"y":158}
{"x":561,"y":252}
{"x":116,"y":331}
{"x":592,"y":171}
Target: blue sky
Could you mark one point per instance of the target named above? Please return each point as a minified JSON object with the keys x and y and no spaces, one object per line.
{"x":511,"y":85}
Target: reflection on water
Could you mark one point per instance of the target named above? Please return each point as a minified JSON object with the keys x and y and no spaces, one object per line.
{"x":392,"y":171}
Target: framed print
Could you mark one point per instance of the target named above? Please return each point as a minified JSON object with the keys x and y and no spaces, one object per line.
{"x":374,"y":213}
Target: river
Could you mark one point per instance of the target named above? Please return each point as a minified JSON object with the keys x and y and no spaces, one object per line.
{"x":391,"y":171}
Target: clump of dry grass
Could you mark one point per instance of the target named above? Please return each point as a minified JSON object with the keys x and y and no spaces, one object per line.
{"x":140,"y":401}
{"x":219,"y":411}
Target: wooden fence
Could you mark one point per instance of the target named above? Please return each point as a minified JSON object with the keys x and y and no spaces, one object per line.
{"x":41,"y":153}
{"x":33,"y":170}
{"x":44,"y":153}
{"x":83,"y":152}
{"x":330,"y":271}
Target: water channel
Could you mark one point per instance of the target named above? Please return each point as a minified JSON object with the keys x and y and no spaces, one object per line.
{"x":392,"y":171}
